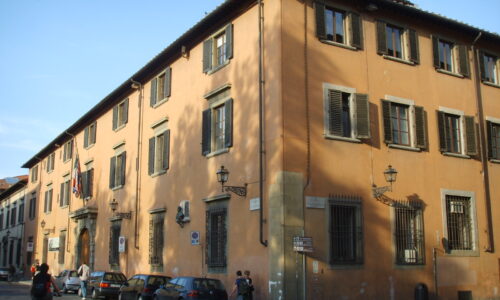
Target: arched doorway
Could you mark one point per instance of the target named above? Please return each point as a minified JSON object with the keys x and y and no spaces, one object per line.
{"x":84,"y":246}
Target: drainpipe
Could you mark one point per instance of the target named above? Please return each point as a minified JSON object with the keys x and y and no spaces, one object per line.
{"x":482,"y":145}
{"x":261,"y":126}
{"x":137,"y":85}
{"x":69,"y":201}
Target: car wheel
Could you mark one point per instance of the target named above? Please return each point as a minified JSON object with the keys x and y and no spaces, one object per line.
{"x":64,"y":289}
{"x":94,"y":294}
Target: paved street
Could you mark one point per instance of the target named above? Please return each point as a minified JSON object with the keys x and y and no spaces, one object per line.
{"x":20,"y":291}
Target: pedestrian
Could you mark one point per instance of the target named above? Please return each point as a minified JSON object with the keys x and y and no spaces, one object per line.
{"x":40,"y":288}
{"x":84,"y":273}
{"x":12,"y":272}
{"x":241,"y":287}
{"x":250,"y":284}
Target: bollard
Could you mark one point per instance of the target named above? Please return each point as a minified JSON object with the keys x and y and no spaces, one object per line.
{"x":421,"y":292}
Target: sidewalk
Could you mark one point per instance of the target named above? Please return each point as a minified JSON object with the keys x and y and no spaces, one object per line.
{"x":16,"y":282}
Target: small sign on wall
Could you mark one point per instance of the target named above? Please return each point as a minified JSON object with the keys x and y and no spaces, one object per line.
{"x":121,"y":244}
{"x":54,"y":244}
{"x":29,"y":247}
{"x":195,"y":237}
{"x":255,"y":204}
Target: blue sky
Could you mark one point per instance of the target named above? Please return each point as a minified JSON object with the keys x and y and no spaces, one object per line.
{"x":59,"y":58}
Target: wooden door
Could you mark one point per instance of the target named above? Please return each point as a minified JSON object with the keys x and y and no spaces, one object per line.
{"x":84,"y":246}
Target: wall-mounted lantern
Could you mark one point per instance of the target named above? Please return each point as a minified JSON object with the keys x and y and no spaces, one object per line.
{"x":114,"y":205}
{"x":223,"y":176}
{"x":390,"y":175}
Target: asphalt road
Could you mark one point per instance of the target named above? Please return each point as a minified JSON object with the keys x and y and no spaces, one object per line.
{"x":21,"y":291}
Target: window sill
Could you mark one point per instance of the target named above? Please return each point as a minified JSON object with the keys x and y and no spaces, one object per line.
{"x":48,"y":172}
{"x":341,"y":138}
{"x":400,"y":60}
{"x":117,"y":187}
{"x":119,"y":128}
{"x":217,"y":68}
{"x":466,"y":253}
{"x":64,"y":206}
{"x":402,"y":147}
{"x":346,"y":266}
{"x":328,"y":42}
{"x":495,"y":161}
{"x":491,"y":84}
{"x":158,"y":103}
{"x":89,"y":146}
{"x":159,"y":173}
{"x":450,"y":73}
{"x":66,"y":161}
{"x":218,"y":152}
{"x":455,"y":155}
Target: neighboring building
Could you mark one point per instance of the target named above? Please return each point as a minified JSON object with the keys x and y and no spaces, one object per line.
{"x":347,"y":88}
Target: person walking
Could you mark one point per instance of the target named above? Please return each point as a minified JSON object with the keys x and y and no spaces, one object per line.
{"x":40,"y":287}
{"x":241,"y":287}
{"x":84,"y":273}
{"x":250,"y":284}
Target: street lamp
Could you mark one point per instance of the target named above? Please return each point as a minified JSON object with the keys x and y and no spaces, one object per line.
{"x":390,"y":175}
{"x":114,"y":205}
{"x":223,"y":176}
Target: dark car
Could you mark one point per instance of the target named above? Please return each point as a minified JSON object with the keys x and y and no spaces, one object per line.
{"x":4,"y":273}
{"x":142,"y":286}
{"x":68,"y":280}
{"x":103,"y":284}
{"x":190,"y":288}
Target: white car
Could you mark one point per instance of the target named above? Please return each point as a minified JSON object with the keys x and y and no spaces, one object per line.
{"x":68,"y":280}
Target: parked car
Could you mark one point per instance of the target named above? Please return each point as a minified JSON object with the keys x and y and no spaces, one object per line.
{"x":4,"y":273}
{"x":68,"y":280}
{"x":104,"y":284}
{"x":189,"y":288}
{"x":142,"y":286}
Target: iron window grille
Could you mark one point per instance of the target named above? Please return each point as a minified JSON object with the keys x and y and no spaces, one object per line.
{"x":493,"y":131}
{"x":216,"y":237}
{"x":114,"y":255}
{"x":409,"y":233}
{"x":459,"y":223}
{"x":156,"y":224}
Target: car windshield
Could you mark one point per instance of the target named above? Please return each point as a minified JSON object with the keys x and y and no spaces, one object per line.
{"x":208,"y":284}
{"x":157,"y":280}
{"x":114,"y":277}
{"x":73,"y":274}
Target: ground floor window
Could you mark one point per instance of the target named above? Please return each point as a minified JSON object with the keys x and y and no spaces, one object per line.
{"x":216,"y":227}
{"x":114,"y":235}
{"x":408,"y":234}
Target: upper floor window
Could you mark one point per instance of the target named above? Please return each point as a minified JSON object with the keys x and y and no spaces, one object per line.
{"x":404,"y":123}
{"x":1,"y":220}
{"x":489,"y":65}
{"x":89,"y":135}
{"x":120,"y":114}
{"x":457,"y":133}
{"x":156,"y":224}
{"x":450,"y":57}
{"x":117,"y":170}
{"x":50,"y":162}
{"x":397,"y":42}
{"x":65,"y":191}
{"x":159,"y":148}
{"x":68,"y":151}
{"x":346,"y":113}
{"x":20,"y":218}
{"x":338,"y":26}
{"x":87,"y":183}
{"x":34,"y":174}
{"x":13,"y":214}
{"x":160,"y":87}
{"x":217,"y":123}
{"x":408,"y":234}
{"x":32,"y":212}
{"x":48,"y":200}
{"x":218,"y":49}
{"x":493,"y":130}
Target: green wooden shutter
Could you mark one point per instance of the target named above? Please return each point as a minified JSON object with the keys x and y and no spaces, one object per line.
{"x":86,"y":137}
{"x":166,"y":150}
{"x":229,"y":41}
{"x":414,"y":51}
{"x":381,"y":38}
{"x":51,"y":194}
{"x":362,"y":116}
{"x":61,"y":195}
{"x":151,"y":162}
{"x":124,"y":164}
{"x":470,"y":132}
{"x":463,"y":58}
{"x":90,"y":181}
{"x":154,"y":92}
{"x":335,"y":112}
{"x":115,"y":117}
{"x":168,"y":82}
{"x":482,"y":67}
{"x":207,"y":55}
{"x":94,"y":131}
{"x":112,"y":169}
{"x":206,"y":132}
{"x":46,"y":202}
{"x":125,"y":111}
{"x":489,"y":135}
{"x":320,"y":20}
{"x":386,"y":116}
{"x":85,"y":184}
{"x":228,"y":130}
{"x":421,"y":139}
{"x":356,"y":31}
{"x":435,"y":51}
{"x":443,"y":144}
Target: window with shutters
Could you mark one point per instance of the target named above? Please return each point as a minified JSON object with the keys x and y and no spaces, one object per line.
{"x":32,"y":212}
{"x":160,"y":88}
{"x":20,"y":218}
{"x":493,"y":135}
{"x":117,"y":170}
{"x":50,"y":162}
{"x":114,"y":235}
{"x":346,"y":114}
{"x":1,"y":219}
{"x":460,"y":234}
{"x":159,"y":148}
{"x":338,"y":27}
{"x":120,"y":115}
{"x":34,"y":174}
{"x":489,"y":66}
{"x":216,"y":228}
{"x":156,"y":242}
{"x":68,"y":151}
{"x":450,"y":58}
{"x":397,"y":43}
{"x":404,"y":124}
{"x":48,"y":199}
{"x":13,"y":214}
{"x":457,"y":133}
{"x":88,"y":183}
{"x":89,"y":135}
{"x":409,"y":233}
{"x":62,"y":247}
{"x":345,"y":231}
{"x":65,"y":191}
{"x":217,"y":124}
{"x":218,"y":50}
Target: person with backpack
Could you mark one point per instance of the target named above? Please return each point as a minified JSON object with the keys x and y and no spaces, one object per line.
{"x":241,"y":286}
{"x":84,"y":273}
{"x":40,"y":288}
{"x":250,"y":284}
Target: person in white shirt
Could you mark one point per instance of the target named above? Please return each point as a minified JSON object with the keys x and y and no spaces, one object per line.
{"x":84,"y":272}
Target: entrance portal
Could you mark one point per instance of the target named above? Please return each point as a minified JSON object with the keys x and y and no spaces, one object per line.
{"x":84,"y":243}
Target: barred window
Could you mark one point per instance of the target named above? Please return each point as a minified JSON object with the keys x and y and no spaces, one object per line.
{"x":62,"y":247}
{"x":156,"y":224}
{"x":409,"y":234}
{"x":459,"y":223}
{"x":345,"y":230}
{"x":114,"y":234}
{"x":216,"y":237}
